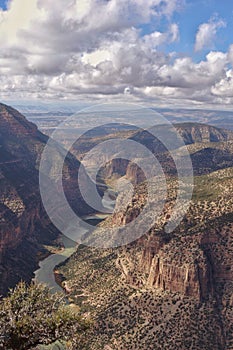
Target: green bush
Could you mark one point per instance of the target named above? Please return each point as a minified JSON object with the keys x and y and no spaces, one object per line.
{"x":32,"y":316}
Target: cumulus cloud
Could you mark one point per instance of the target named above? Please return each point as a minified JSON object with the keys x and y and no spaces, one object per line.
{"x":83,"y":44}
{"x":40,"y":30}
{"x":156,"y":39}
{"x":230,"y":54}
{"x":97,"y":48}
{"x":224,"y":87}
{"x":206,"y":33}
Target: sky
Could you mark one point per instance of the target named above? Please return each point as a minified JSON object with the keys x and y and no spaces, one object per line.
{"x":169,"y":53}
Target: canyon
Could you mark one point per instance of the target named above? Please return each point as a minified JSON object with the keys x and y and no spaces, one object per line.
{"x":161,"y":291}
{"x":164,"y":290}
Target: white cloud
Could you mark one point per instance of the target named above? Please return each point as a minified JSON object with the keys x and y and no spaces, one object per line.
{"x":96,"y":48}
{"x":206,"y":34}
{"x":174,"y":31}
{"x":85,"y":44}
{"x":48,"y":28}
{"x":156,"y":39}
{"x":224,"y":87}
{"x":230,"y":54}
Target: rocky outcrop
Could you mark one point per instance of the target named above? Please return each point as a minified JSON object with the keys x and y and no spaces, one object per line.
{"x":191,"y":279}
{"x":158,"y":266}
{"x":195,"y":258}
{"x":193,"y":266}
{"x":196,"y":133}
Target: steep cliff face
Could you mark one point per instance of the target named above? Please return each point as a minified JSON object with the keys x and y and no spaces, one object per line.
{"x":165,"y":290}
{"x":196,"y":256}
{"x":175,"y":267}
{"x":24,"y":224}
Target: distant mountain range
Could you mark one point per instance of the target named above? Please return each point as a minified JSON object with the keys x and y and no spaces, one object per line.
{"x":221,"y":119}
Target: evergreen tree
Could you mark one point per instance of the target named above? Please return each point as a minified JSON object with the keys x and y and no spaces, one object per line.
{"x":31,"y":315}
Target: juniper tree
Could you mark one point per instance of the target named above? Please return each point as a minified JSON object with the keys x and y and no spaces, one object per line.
{"x":32,"y":316}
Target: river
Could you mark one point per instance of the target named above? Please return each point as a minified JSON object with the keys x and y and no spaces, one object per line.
{"x":45,"y":273}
